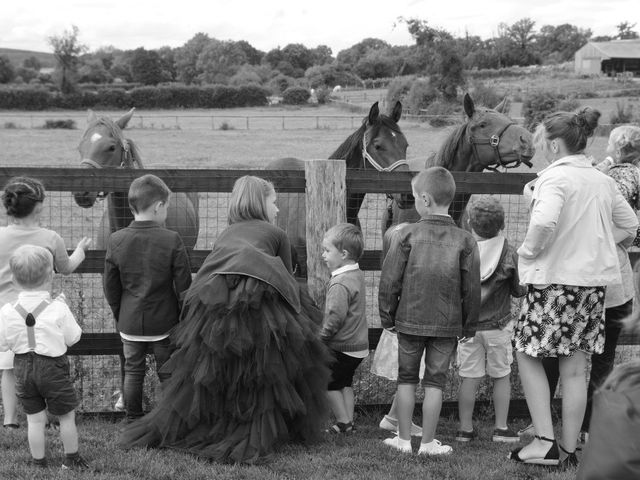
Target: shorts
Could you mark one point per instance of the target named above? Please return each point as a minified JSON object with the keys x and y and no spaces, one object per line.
{"x":488,"y":353}
{"x":342,"y":370}
{"x":437,"y":359}
{"x":44,"y":383}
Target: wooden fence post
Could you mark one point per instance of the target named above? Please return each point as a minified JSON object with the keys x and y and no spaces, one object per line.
{"x":326,"y":206}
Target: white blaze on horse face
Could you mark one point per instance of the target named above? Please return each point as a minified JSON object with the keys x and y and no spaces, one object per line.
{"x":95,"y":137}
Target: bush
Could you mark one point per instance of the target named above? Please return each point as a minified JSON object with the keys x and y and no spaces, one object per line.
{"x":280,"y":83}
{"x":323,"y":94}
{"x":295,"y":96}
{"x":10,"y":126}
{"x":398,"y":89}
{"x":113,"y":98}
{"x":622,"y":114}
{"x":64,"y":124}
{"x":485,"y":95}
{"x":421,"y":94}
{"x":568,"y":105}
{"x":226,"y":126}
{"x":441,"y":113}
{"x":537,"y":106}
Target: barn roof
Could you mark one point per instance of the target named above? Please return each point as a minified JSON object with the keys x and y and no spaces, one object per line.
{"x":618,"y":48}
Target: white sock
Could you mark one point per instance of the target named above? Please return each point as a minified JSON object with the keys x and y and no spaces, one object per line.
{"x":403,"y":443}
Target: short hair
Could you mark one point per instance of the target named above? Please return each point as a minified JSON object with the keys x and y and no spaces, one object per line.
{"x":146,"y":190}
{"x":249,"y":199}
{"x":31,"y":265}
{"x":345,"y":236}
{"x":437,"y":182}
{"x":486,"y":216}
{"x":572,"y":128}
{"x":21,"y":195}
{"x":626,"y":138}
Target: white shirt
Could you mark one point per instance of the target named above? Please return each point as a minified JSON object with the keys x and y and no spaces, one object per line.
{"x":577,"y":217}
{"x":55,"y":328}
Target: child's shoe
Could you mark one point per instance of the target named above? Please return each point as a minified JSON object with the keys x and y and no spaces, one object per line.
{"x":403,"y":446}
{"x":39,"y":462}
{"x":434,"y":447}
{"x":464,"y":436}
{"x":340,"y":427}
{"x":505,"y":435}
{"x":391,"y":424}
{"x":74,"y":462}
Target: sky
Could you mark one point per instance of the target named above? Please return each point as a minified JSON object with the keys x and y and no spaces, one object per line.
{"x":268,"y":24}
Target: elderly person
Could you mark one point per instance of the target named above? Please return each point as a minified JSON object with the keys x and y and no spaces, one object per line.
{"x":566,"y":260}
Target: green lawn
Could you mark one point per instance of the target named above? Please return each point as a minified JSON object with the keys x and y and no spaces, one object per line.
{"x":357,"y":456}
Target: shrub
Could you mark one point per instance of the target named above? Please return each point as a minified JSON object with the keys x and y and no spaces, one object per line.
{"x":295,"y":96}
{"x":323,"y":94}
{"x":485,"y":95}
{"x":280,"y":83}
{"x":113,"y":98}
{"x":568,"y":105}
{"x":398,"y":89}
{"x":10,"y":126}
{"x":226,"y":126}
{"x":622,"y":114}
{"x":538,"y":105}
{"x":441,"y":113}
{"x":421,"y":94}
{"x":64,"y":124}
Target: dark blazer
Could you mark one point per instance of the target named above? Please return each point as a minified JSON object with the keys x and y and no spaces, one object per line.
{"x":146,"y":272}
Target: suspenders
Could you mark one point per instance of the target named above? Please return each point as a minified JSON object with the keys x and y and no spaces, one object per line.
{"x":30,"y":320}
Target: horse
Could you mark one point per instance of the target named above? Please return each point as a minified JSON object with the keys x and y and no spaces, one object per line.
{"x":103,"y":145}
{"x":487,"y":140}
{"x":377,"y":144}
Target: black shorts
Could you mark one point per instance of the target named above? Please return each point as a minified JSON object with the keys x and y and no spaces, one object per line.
{"x":342,"y":370}
{"x":44,"y":383}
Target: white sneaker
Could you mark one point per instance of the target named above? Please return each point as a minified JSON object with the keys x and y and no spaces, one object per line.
{"x":435,"y":447}
{"x":391,"y":424}
{"x":119,"y":405}
{"x":398,"y":444}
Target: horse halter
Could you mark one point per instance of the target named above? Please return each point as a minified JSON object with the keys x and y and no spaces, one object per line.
{"x":366,"y":157}
{"x":125,"y":159}
{"x":493,"y":142}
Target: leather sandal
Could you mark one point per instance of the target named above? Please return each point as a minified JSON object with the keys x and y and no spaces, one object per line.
{"x":570,"y":461}
{"x":552,"y":457}
{"x":340,"y":427}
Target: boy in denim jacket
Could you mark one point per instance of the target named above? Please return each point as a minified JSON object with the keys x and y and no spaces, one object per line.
{"x":490,"y":350}
{"x":430,"y":294}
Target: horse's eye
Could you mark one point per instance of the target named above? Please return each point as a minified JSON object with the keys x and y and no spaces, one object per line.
{"x":377,"y":147}
{"x":112,"y":148}
{"x":482,"y":124}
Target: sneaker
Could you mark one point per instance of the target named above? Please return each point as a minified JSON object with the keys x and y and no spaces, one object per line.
{"x":398,"y":444}
{"x":528,"y":430}
{"x":391,"y":424}
{"x":505,"y":435}
{"x":435,"y":447}
{"x":74,"y":462}
{"x":464,"y":436}
{"x":119,"y":405}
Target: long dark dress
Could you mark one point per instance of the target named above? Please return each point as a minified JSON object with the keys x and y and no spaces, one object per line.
{"x":249,"y":371}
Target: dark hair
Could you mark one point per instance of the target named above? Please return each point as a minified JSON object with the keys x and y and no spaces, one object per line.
{"x":486,"y":216}
{"x":345,"y":236}
{"x":437,"y":182}
{"x":147,"y":190}
{"x":572,"y":128}
{"x":21,"y":195}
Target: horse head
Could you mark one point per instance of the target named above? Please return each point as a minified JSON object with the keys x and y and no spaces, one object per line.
{"x":491,"y":140}
{"x":384,"y":146}
{"x":103,"y":145}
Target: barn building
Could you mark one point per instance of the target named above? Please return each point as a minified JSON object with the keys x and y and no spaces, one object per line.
{"x":610,"y":58}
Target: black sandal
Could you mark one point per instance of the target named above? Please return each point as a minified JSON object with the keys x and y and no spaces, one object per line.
{"x":12,"y":426}
{"x":570,"y":461}
{"x":340,"y":427}
{"x":552,"y":458}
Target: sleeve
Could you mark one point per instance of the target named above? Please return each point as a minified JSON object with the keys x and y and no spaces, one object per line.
{"x":284,"y":250}
{"x":517,"y":290}
{"x":4,"y":346}
{"x":548,"y":198}
{"x":470,"y":293}
{"x":70,"y":328}
{"x":181,"y":268}
{"x":625,"y":221}
{"x":335,"y":311}
{"x":391,"y":276}
{"x":61,"y":259}
{"x":111,"y":281}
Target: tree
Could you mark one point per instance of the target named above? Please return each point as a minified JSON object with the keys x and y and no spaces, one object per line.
{"x":515,"y":44}
{"x":321,"y":55}
{"x":561,"y":42}
{"x":7,"y":72}
{"x":350,"y":56}
{"x":146,"y":67}
{"x":219,"y":61}
{"x":254,"y":56}
{"x":92,"y":70}
{"x":377,"y":64}
{"x":67,"y":50}
{"x":32,"y":62}
{"x":187,"y":58}
{"x":625,"y":31}
{"x":167,"y":63}
{"x":299,"y":56}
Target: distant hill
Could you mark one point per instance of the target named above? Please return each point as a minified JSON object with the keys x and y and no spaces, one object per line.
{"x":18,"y":56}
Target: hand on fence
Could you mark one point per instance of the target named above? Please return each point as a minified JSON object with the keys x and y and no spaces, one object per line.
{"x":84,"y":243}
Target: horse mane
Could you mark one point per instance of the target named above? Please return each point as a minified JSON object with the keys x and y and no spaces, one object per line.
{"x":117,"y":133}
{"x":448,"y":150}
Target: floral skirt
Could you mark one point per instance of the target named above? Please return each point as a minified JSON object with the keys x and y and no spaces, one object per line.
{"x":557,"y":320}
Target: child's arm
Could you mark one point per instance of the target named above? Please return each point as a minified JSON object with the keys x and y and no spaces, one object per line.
{"x":112,"y":285}
{"x":66,"y":264}
{"x":70,"y":328}
{"x":517,"y":290}
{"x":391,"y":277}
{"x":181,"y":268}
{"x":470,"y":294}
{"x":4,"y":346}
{"x":335,"y":311}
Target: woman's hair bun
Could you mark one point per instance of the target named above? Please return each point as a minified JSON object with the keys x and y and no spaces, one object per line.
{"x":587,"y":120}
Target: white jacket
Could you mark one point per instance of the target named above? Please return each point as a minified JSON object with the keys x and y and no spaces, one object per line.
{"x":577,"y":217}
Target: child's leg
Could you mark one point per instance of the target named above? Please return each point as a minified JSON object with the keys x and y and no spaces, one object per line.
{"x":338,"y":406}
{"x":35,"y":433}
{"x":406,"y":402}
{"x":134,"y":368}
{"x":410,"y":350}
{"x":69,"y":432}
{"x":501,"y":398}
{"x":431,"y":406}
{"x":9,"y":399}
{"x":393,"y":411}
{"x":349,"y":401}
{"x":467,"y":401}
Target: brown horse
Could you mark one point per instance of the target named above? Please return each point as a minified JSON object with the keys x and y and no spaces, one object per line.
{"x":103,"y":145}
{"x":377,"y":144}
{"x":488,"y":140}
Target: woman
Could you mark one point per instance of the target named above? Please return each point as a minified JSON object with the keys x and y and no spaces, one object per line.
{"x":567,"y":258}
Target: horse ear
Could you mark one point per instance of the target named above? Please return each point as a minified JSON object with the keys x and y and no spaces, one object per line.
{"x":374,"y":113}
{"x":397,"y":111}
{"x":124,"y":120}
{"x":91,"y":116}
{"x":504,"y":106}
{"x":469,"y":107}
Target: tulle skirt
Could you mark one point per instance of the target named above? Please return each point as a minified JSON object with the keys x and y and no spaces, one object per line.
{"x":248,"y":373}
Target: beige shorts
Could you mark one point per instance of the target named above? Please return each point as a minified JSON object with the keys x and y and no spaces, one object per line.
{"x":488,"y":353}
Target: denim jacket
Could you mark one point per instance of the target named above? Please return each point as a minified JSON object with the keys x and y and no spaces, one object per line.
{"x":430,"y":280}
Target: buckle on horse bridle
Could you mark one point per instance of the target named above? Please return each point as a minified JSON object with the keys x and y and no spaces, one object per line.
{"x":494,"y":141}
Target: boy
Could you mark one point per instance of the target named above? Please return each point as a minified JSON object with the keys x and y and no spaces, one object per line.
{"x":344,"y":327}
{"x":38,"y":331}
{"x":146,"y":271}
{"x":490,"y":349}
{"x":430,"y":294}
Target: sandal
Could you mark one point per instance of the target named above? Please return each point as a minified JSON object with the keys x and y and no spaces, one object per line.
{"x":570,"y":461}
{"x":551,"y":458}
{"x":340,"y":427}
{"x":12,"y":426}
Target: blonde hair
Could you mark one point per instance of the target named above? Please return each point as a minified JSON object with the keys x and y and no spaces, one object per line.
{"x":345,"y":236}
{"x":31,"y":265}
{"x":626,"y":139}
{"x":249,"y":199}
{"x":623,"y":377}
{"x":437,"y":182}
